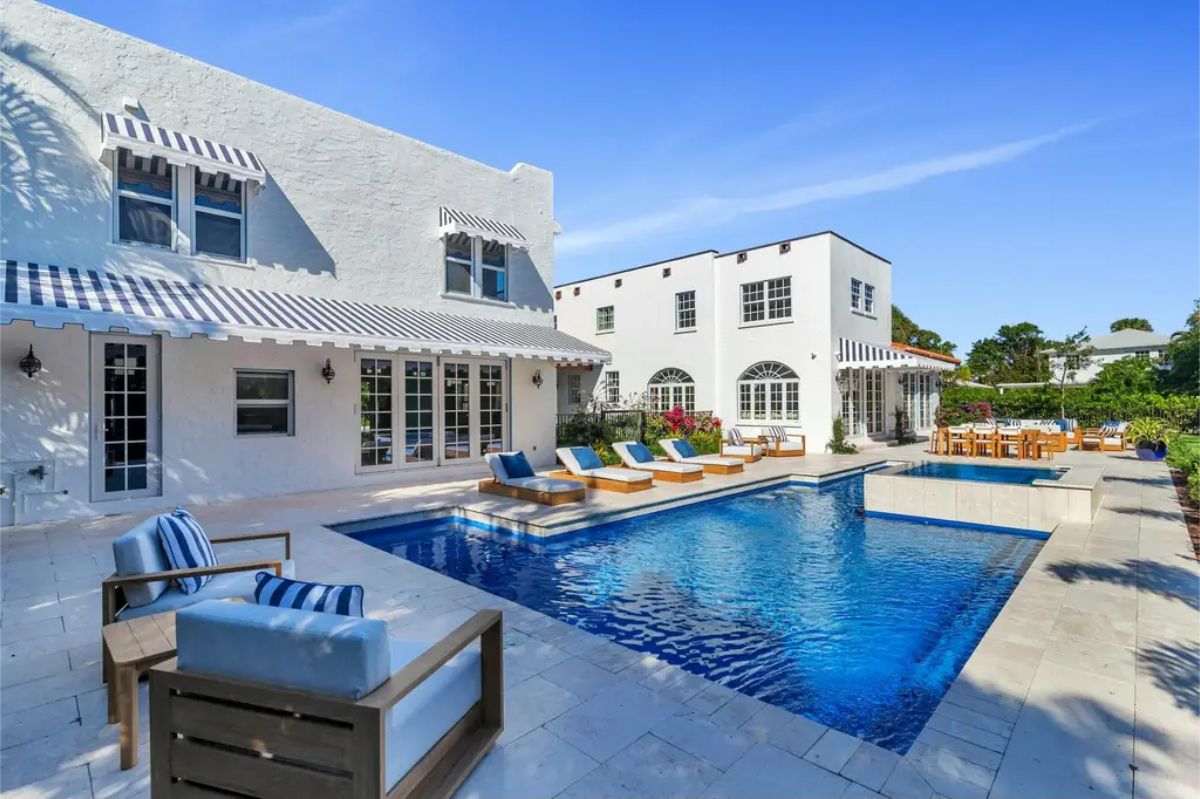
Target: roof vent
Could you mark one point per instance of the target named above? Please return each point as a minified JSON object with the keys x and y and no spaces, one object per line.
{"x":666,"y":271}
{"x":618,"y":282}
{"x":785,"y":248}
{"x":558,"y":295}
{"x":576,"y":291}
{"x":741,"y":257}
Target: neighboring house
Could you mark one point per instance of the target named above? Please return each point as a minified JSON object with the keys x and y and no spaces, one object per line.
{"x":1112,"y":347}
{"x":791,"y":333}
{"x":234,"y":292}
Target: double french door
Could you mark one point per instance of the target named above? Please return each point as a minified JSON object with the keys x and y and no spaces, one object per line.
{"x":415,"y":410}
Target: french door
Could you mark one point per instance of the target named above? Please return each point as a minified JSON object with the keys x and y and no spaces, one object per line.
{"x":415,"y":410}
{"x":125,"y":437}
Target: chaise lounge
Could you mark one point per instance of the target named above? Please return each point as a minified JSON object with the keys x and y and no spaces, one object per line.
{"x":584,"y":466}
{"x":270,"y":701}
{"x":681,"y":451}
{"x":513,"y":477}
{"x":638,"y":456}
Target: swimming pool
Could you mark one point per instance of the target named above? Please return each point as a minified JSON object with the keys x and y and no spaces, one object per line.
{"x":981,"y":473}
{"x":787,"y":594}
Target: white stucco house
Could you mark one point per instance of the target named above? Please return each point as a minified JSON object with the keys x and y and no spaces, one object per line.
{"x":232,"y":292}
{"x":791,"y":333}
{"x":1103,"y":350}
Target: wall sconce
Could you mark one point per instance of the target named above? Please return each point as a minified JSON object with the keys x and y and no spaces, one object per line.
{"x":327,"y":371}
{"x":537,"y":377}
{"x":30,"y":364}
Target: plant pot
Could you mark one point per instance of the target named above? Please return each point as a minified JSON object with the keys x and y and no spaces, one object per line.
{"x":1148,"y":451}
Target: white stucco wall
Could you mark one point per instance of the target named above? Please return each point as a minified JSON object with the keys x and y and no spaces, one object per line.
{"x":1097,"y":360}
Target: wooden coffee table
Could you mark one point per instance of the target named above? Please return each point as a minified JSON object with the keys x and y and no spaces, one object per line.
{"x":131,"y":647}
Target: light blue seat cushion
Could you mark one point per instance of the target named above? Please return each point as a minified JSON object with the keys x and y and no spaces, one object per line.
{"x":222,"y":586}
{"x":140,"y":552}
{"x":420,"y":719}
{"x":319,"y":653}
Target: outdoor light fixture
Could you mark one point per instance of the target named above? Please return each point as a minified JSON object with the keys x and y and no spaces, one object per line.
{"x":327,"y":371}
{"x":537,"y":378}
{"x":30,"y":364}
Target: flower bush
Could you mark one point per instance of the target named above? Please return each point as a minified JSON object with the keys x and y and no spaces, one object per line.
{"x":702,"y":431}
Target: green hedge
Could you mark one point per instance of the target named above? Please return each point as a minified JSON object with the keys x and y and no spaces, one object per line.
{"x":1184,"y":455}
{"x":1180,"y":411}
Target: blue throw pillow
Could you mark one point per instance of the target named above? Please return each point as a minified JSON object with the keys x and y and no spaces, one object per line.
{"x":640,"y":453}
{"x":187,"y":547}
{"x":280,"y":592}
{"x":517,"y":465}
{"x":587,"y":457}
{"x":685,"y":449}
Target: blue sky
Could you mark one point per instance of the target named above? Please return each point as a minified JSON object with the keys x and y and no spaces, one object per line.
{"x":1015,"y":162}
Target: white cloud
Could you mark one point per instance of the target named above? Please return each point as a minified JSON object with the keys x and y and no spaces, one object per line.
{"x":707,"y":211}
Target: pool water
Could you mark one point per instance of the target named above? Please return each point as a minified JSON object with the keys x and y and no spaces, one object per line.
{"x":786,"y":594}
{"x":979,"y":473}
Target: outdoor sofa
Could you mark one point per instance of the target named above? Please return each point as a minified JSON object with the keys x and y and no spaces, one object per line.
{"x":637,"y":456}
{"x":681,"y":451}
{"x":271,"y":701}
{"x":1108,"y":438}
{"x":507,"y":482}
{"x":584,"y":466}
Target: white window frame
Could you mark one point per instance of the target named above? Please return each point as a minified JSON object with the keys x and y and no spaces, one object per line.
{"x":685,"y":305}
{"x":574,"y":388}
{"x":290,"y":402}
{"x":754,"y":302}
{"x":770,"y":395}
{"x":243,"y":218}
{"x":868,"y":298}
{"x":611,"y":319}
{"x":118,"y":193}
{"x":477,"y":267}
{"x":669,"y":388}
{"x":779,"y":298}
{"x":612,"y":387}
{"x":856,"y":287}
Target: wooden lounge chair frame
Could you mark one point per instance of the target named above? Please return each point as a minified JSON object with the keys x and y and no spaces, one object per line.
{"x":604,"y":483}
{"x":717,"y":468}
{"x":491,"y":485}
{"x":755,"y":458}
{"x":1096,"y":436}
{"x":772,"y":447}
{"x":671,"y":476}
{"x":210,"y":734}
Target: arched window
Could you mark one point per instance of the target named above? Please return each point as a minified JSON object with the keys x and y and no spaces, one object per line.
{"x":769,"y":392}
{"x":670,"y":388}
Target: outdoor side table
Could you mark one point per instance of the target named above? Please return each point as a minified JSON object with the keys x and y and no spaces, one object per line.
{"x":131,"y":647}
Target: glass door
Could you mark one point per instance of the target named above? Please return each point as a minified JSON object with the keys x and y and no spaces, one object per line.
{"x":491,"y":408}
{"x":418,"y":411}
{"x":125,"y":451}
{"x":376,"y":418}
{"x":456,"y":410}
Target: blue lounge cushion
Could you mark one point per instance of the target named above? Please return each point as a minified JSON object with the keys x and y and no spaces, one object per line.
{"x":233,"y":585}
{"x":640,"y":453}
{"x":587,"y":458}
{"x":187,"y":547}
{"x":516,"y":464}
{"x":320,"y":653}
{"x":139,"y":551}
{"x":281,"y":592}
{"x":684,"y":448}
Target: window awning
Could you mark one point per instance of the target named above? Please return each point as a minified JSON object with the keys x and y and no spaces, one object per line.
{"x":142,"y":138}
{"x":101,"y":301}
{"x":854,"y":354}
{"x":452,"y":221}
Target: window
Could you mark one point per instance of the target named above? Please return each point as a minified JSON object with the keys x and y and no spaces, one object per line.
{"x":767,"y":300}
{"x":779,"y":298}
{"x":1141,"y":354}
{"x":605,"y":319}
{"x":685,"y":310}
{"x":145,"y":200}
{"x":612,"y":388}
{"x":868,"y":298}
{"x":855,"y":294}
{"x":754,"y":306}
{"x":476,"y":267}
{"x":219,"y":216}
{"x":264,"y":403}
{"x":574,"y":389}
{"x":769,"y":392}
{"x":671,"y":388}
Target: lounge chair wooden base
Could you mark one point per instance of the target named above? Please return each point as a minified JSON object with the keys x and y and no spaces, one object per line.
{"x":743,"y":458}
{"x":604,"y":484}
{"x":676,"y":477}
{"x":489,"y":486}
{"x":787,"y":453}
{"x":722,"y":468}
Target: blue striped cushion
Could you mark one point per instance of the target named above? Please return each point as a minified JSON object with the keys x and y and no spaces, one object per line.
{"x":187,"y":547}
{"x":280,"y":592}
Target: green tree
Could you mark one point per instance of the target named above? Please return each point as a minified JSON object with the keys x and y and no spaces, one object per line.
{"x":1068,"y":357}
{"x":906,"y":331}
{"x":1013,"y":355}
{"x":1131,"y":323}
{"x":1182,"y":358}
{"x":1124,"y":378}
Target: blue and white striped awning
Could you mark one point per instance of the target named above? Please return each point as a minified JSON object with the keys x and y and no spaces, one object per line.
{"x":452,"y":221}
{"x":102,"y":301}
{"x":150,"y":141}
{"x":853,"y":354}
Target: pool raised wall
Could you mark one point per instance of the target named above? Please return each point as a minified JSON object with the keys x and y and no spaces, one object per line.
{"x":1039,"y":507}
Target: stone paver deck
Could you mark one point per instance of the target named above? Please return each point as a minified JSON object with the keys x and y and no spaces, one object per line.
{"x":1087,"y":684}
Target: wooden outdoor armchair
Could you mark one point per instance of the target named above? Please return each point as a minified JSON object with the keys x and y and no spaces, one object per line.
{"x":210,"y":734}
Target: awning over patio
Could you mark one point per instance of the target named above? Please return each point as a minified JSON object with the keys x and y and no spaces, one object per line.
{"x":101,"y":301}
{"x":453,"y":221}
{"x":142,"y":138}
{"x":854,"y":354}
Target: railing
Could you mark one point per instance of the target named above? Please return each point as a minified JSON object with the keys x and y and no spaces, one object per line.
{"x":585,"y":427}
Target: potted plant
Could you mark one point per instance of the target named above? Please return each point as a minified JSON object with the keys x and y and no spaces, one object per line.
{"x":1150,"y":438}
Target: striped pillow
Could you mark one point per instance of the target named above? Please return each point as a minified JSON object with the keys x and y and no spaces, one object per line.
{"x":187,"y":547}
{"x":735,"y":437}
{"x":280,"y":592}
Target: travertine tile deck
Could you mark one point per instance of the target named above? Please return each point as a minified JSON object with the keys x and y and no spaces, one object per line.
{"x":1089,"y":672}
